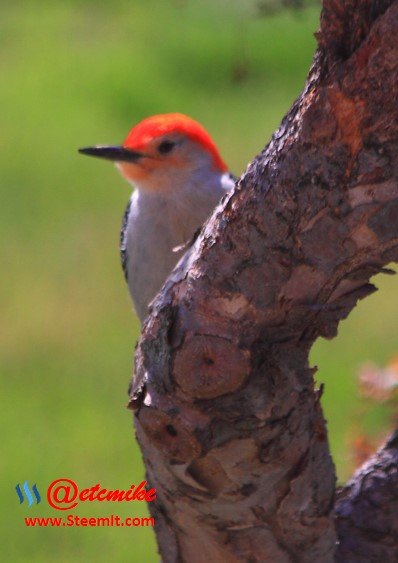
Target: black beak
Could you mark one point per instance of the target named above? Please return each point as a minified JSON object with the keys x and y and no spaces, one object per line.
{"x":112,"y":153}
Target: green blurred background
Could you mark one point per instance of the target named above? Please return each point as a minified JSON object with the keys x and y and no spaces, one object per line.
{"x":74,"y":73}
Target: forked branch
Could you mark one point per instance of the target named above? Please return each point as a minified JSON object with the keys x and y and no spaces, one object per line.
{"x":226,"y":413}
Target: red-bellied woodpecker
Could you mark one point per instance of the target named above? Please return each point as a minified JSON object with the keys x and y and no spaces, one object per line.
{"x":179,"y":178}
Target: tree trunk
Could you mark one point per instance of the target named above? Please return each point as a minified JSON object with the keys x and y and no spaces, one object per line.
{"x":229,"y":423}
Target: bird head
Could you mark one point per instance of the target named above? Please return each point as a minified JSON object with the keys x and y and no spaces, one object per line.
{"x":163,"y":152}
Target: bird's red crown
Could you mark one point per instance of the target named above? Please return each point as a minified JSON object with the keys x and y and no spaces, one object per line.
{"x":158,"y":125}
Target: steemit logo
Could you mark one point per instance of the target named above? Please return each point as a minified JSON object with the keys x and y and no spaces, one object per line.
{"x":28,"y":493}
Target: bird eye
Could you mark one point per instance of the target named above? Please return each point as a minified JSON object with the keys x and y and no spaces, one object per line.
{"x":166,"y":146}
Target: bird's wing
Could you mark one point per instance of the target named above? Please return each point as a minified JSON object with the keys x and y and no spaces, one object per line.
{"x":123,"y":239}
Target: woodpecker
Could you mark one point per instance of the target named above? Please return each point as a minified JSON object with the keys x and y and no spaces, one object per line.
{"x":179,"y":177}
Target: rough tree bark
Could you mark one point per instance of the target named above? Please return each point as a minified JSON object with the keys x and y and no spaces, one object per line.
{"x":226,"y":414}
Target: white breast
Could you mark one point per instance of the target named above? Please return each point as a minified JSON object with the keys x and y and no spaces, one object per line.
{"x":156,"y":225}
